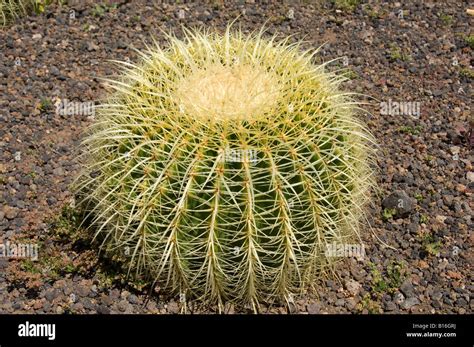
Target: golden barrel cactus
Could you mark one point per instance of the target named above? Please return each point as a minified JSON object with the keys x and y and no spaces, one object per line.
{"x":224,"y":164}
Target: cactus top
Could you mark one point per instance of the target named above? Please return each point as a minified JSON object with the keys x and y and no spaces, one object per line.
{"x":228,"y":78}
{"x":221,"y":92}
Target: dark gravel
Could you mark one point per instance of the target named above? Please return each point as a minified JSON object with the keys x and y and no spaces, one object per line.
{"x":418,"y":257}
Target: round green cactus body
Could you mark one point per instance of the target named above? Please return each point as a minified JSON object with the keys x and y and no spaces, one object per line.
{"x":223,"y":166}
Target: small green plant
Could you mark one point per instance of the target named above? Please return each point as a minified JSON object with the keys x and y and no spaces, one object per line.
{"x":30,"y":266}
{"x":375,"y":13}
{"x":424,"y":219}
{"x":70,"y":268}
{"x":383,"y":282}
{"x":390,"y":281}
{"x":378,"y":282}
{"x":367,"y":303}
{"x":39,"y":6}
{"x":346,"y":5}
{"x":419,"y":197}
{"x":429,"y":243}
{"x":45,"y":104}
{"x":50,"y":266}
{"x":446,"y":19}
{"x":429,"y":158}
{"x":65,"y":225}
{"x":388,"y":213}
{"x":371,"y":12}
{"x":53,"y":263}
{"x":469,"y":39}
{"x":98,"y":10}
{"x":396,"y":273}
{"x":396,"y":53}
{"x":210,"y":172}
{"x":433,"y":248}
{"x":466,"y":72}
{"x":406,"y":129}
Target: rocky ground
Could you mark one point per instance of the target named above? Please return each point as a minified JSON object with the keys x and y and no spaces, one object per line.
{"x":418,"y":253}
